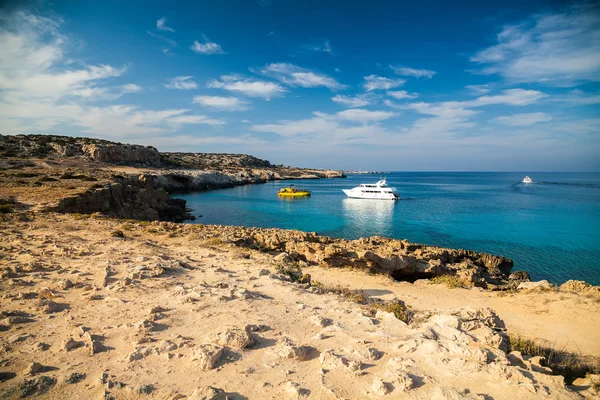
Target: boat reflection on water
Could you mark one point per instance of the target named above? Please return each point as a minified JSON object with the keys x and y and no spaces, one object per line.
{"x":369,"y":218}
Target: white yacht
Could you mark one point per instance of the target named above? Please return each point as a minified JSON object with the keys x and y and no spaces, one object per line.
{"x":527,"y":179}
{"x":378,"y":191}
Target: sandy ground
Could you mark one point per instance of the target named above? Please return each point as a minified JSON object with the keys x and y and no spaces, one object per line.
{"x":156,"y":315}
{"x":560,"y":318}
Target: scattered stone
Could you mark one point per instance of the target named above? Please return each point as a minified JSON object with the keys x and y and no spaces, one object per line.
{"x":364,"y":353}
{"x":320,"y":321}
{"x":34,"y":368}
{"x":107,"y":273}
{"x":17,"y":338}
{"x":295,"y":390}
{"x":236,"y":338}
{"x":331,"y":361}
{"x":208,"y":393}
{"x":42,"y":346}
{"x":166,"y":345}
{"x":379,"y":387}
{"x":146,"y":326}
{"x":140,"y":353}
{"x":75,"y":377}
{"x":47,"y":306}
{"x":93,"y":345}
{"x":157,"y":309}
{"x":208,"y":355}
{"x":403,"y":382}
{"x":539,"y":285}
{"x":71,"y":344}
{"x":64,"y":284}
{"x":286,"y":348}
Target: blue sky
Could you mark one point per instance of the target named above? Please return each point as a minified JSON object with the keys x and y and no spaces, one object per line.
{"x":387,"y":85}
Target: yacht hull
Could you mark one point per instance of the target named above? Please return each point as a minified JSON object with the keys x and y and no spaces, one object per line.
{"x":370,"y":196}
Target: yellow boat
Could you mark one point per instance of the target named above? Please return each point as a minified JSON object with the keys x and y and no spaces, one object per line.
{"x":293,"y":192}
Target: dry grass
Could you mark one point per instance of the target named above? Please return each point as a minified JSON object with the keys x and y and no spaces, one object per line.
{"x":214,"y":242}
{"x":450,"y":281}
{"x":395,"y":307}
{"x":568,"y":364}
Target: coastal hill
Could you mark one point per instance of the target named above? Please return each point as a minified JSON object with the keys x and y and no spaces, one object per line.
{"x":107,"y":295}
{"x":128,"y":181}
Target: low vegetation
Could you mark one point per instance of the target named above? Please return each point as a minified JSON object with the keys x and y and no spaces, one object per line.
{"x":396,"y":307}
{"x":117,"y":234}
{"x":565,"y":363}
{"x":451,"y":281}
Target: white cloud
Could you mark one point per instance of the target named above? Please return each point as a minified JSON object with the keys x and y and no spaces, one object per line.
{"x":525,"y":119}
{"x":578,"y":98}
{"x":207,"y":47}
{"x":364,"y":116}
{"x":391,"y":104}
{"x":181,"y":82}
{"x":402,"y":94}
{"x":353,"y":102}
{"x":170,"y":43}
{"x":195,"y":119}
{"x":222,"y":103}
{"x":131,"y":88}
{"x":323,"y":46}
{"x":374,"y":82}
{"x":560,"y":49}
{"x":296,"y":76}
{"x":345,"y":127}
{"x":42,"y":89}
{"x":160,"y":25}
{"x":417,"y":73}
{"x":513,"y":97}
{"x":479,"y":89}
{"x":235,"y":83}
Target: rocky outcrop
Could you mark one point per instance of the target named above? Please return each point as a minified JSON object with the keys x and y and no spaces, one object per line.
{"x":400,"y":259}
{"x":44,"y":146}
{"x":129,"y":199}
{"x":200,"y":180}
{"x":123,"y":154}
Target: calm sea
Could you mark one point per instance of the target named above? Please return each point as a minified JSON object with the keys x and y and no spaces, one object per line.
{"x":550,"y":228}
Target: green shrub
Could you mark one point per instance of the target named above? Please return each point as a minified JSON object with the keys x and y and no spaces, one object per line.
{"x":451,"y":281}
{"x":117,"y":234}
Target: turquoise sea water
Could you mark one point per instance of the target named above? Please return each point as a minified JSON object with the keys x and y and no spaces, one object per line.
{"x":550,"y":228}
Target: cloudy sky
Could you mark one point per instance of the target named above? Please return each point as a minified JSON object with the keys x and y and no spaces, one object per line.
{"x":387,"y":85}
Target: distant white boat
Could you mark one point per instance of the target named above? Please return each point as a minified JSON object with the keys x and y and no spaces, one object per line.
{"x":527,"y":179}
{"x":377,"y":191}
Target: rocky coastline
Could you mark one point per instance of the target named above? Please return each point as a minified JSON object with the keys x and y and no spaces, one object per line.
{"x":132,"y":181}
{"x":105,"y":294}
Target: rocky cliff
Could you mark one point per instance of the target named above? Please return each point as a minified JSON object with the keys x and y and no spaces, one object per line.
{"x":400,"y":259}
{"x":129,"y":199}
